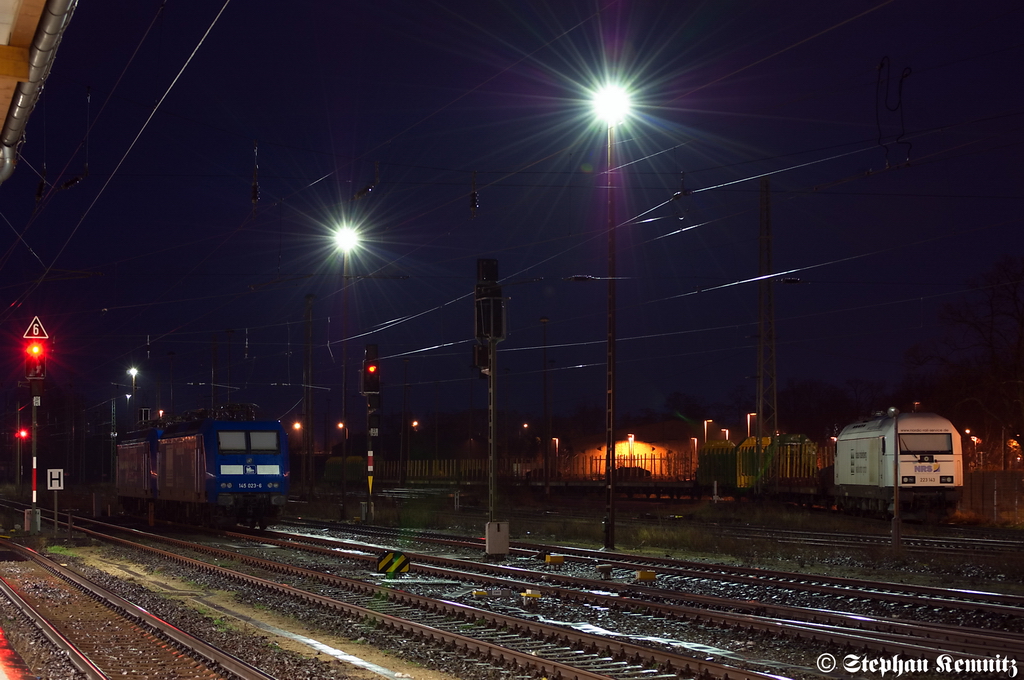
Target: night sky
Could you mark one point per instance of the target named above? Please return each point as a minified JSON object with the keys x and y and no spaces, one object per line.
{"x":891,"y":133}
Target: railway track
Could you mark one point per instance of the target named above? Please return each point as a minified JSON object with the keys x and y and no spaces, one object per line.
{"x":101,"y":634}
{"x":664,"y":605}
{"x":882,"y":635}
{"x":950,"y":545}
{"x":916,"y":539}
{"x":502,"y":638}
{"x":967,"y":600}
{"x":901,"y":605}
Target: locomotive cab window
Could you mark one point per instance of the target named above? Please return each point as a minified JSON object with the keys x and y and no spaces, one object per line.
{"x":917,"y":444}
{"x":232,"y":442}
{"x":264,"y":442}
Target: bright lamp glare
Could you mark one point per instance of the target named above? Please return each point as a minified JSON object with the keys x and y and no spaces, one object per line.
{"x":347,"y":238}
{"x":611,"y":103}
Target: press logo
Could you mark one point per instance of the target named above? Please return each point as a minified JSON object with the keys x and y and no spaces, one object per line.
{"x":896,"y":666}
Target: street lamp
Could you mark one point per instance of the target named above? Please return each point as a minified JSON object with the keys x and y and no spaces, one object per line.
{"x":749,"y":416}
{"x":133,"y":372}
{"x":706,"y":430}
{"x":346,"y":239}
{"x":611,"y":105}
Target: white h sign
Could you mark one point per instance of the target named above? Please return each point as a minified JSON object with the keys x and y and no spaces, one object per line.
{"x":55,"y":480}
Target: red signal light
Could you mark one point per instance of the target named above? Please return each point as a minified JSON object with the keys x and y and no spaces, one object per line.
{"x":371,"y":377}
{"x":23,"y":434}
{"x":35,"y":361}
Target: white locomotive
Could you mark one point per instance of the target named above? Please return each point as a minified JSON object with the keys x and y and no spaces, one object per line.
{"x":930,"y":465}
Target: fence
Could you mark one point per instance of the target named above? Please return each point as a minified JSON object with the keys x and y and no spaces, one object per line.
{"x":993,"y":496}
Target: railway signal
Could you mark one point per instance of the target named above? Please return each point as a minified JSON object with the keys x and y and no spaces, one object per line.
{"x":35,"y":372}
{"x":35,"y":361}
{"x":370,"y":388}
{"x":371,"y":372}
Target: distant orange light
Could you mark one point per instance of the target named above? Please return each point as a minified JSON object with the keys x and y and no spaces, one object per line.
{"x":296,"y":425}
{"x":371,"y":368}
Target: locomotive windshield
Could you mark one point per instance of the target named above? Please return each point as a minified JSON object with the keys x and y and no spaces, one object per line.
{"x":926,"y":443}
{"x":264,"y":442}
{"x":258,"y":442}
{"x":231,"y":441}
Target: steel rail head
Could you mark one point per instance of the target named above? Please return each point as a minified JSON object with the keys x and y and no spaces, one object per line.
{"x":664,"y":659}
{"x":212,"y":654}
{"x":74,"y":655}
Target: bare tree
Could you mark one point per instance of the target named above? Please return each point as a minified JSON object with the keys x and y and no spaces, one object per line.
{"x":981,"y":359}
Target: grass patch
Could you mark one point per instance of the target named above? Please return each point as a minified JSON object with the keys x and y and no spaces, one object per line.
{"x":59,"y":550}
{"x":222,"y":624}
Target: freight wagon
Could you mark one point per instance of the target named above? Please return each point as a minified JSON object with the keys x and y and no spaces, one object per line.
{"x":782,"y":465}
{"x":788,"y":467}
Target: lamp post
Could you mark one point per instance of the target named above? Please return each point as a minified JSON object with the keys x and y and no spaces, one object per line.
{"x":346,"y":239}
{"x":297,"y":429}
{"x":344,"y":461}
{"x":749,"y":416}
{"x":133,"y":372}
{"x":403,"y":451}
{"x":611,"y":104}
{"x":894,"y":413}
{"x":546,"y":437}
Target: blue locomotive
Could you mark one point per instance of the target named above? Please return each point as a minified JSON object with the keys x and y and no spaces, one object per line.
{"x":205,"y":471}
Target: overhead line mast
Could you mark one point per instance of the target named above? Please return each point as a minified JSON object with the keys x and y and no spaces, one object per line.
{"x":767,"y":412}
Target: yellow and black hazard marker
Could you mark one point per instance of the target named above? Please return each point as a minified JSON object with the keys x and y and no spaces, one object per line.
{"x":393,"y":563}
